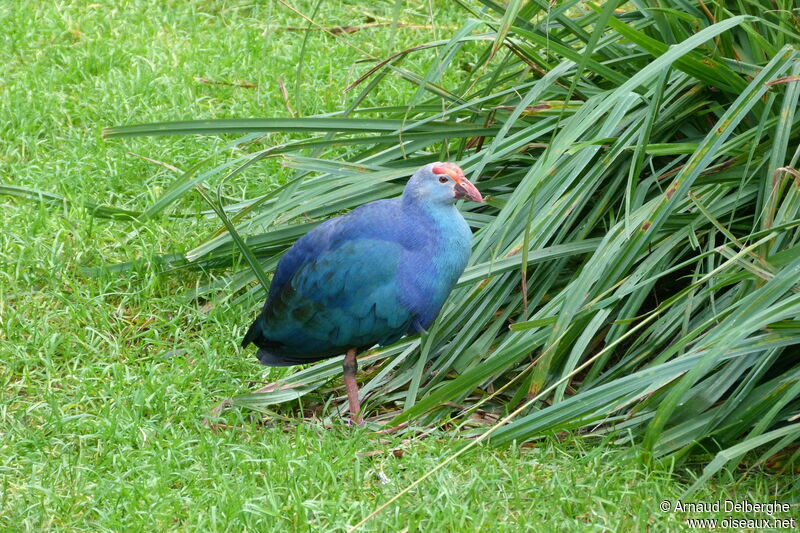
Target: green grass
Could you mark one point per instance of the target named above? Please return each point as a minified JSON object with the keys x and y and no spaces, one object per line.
{"x":104,"y":381}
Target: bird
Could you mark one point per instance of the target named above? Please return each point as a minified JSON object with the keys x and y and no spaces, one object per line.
{"x":368,"y":277}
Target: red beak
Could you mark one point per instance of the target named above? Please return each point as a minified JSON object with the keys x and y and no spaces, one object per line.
{"x":467,"y":191}
{"x":464,"y":190}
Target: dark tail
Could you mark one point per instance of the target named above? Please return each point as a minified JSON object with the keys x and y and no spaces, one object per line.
{"x":255,"y":335}
{"x":270,"y":359}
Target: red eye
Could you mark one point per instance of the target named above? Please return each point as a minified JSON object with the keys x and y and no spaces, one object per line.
{"x":442,"y":180}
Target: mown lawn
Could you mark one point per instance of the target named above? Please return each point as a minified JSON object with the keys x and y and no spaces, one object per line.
{"x":105,"y":380}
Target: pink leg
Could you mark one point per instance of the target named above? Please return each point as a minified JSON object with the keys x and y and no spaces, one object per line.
{"x":350,"y":366}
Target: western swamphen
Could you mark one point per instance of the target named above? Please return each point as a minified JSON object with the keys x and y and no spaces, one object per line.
{"x":368,"y":277}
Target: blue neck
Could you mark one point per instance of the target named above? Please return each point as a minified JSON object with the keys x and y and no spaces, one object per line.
{"x":441,"y":213}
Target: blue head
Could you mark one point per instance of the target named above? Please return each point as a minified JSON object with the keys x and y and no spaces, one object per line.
{"x":440,"y":184}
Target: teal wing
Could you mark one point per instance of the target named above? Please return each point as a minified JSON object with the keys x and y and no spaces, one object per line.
{"x":346,"y":297}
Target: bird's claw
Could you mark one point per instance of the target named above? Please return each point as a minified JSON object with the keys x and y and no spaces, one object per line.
{"x":350,"y":422}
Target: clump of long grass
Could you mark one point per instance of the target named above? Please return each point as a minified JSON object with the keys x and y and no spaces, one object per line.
{"x":636,"y":267}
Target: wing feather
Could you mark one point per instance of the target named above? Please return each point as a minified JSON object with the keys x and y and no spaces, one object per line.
{"x":345,"y":297}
